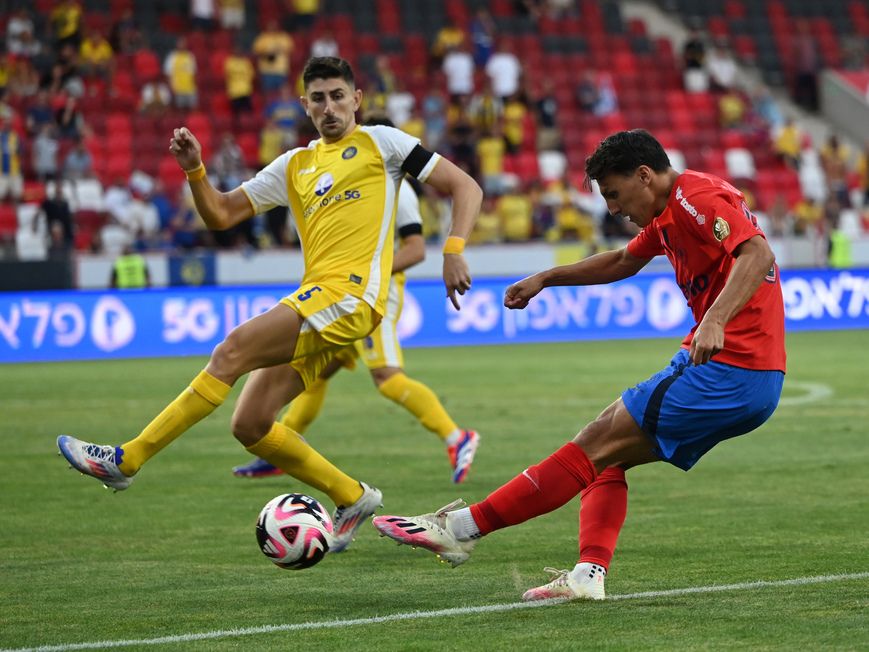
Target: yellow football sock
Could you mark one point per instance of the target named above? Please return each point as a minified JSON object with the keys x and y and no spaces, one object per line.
{"x":287,"y":450}
{"x":421,"y":402}
{"x":196,"y":402}
{"x":305,"y":407}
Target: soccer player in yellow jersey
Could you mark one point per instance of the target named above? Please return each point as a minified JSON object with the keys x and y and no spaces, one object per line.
{"x":341,"y":191}
{"x":381,"y":353}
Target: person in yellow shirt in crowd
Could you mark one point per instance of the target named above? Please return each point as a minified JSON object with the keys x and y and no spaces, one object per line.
{"x":96,"y":57}
{"x":449,"y":37}
{"x":787,"y":143}
{"x":863,"y":174}
{"x":11,"y":177}
{"x":272,"y":49}
{"x":342,"y":192}
{"x":514,"y":124}
{"x":808,"y":213}
{"x":180,"y":70}
{"x":487,"y":230}
{"x":490,"y":152}
{"x":239,"y":74}
{"x":65,"y":21}
{"x":515,"y":212}
{"x":304,"y":14}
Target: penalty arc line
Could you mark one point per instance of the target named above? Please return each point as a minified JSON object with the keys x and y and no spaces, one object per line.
{"x":419,"y":615}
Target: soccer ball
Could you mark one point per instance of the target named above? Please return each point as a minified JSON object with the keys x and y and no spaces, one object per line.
{"x":294,"y":531}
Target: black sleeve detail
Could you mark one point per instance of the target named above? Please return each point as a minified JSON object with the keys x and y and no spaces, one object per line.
{"x":417,"y":159}
{"x":410,"y":229}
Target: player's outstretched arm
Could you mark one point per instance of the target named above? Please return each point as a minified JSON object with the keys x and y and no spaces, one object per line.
{"x":754,"y":258}
{"x":218,"y":210}
{"x":467,"y":197}
{"x":605,"y":267}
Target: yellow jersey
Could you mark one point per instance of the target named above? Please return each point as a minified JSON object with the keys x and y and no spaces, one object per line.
{"x":343,"y":198}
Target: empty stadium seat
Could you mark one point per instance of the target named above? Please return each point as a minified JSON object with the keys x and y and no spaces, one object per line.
{"x":740,"y":163}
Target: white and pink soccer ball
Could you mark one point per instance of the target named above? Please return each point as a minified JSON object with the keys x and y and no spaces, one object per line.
{"x":294,"y":531}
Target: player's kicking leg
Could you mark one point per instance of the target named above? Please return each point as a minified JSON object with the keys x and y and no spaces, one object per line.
{"x":452,"y":531}
{"x":263,"y":341}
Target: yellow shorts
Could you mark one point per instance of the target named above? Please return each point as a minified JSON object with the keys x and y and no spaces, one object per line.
{"x":332,"y":320}
{"x":381,"y":348}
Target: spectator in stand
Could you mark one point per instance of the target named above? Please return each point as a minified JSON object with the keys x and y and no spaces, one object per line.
{"x":383,"y":78}
{"x":156,"y":97}
{"x":272,"y":49}
{"x":180,"y":70}
{"x":11,"y":177}
{"x":491,"y":149}
{"x":515,"y":212}
{"x":787,"y":143}
{"x":231,"y":14}
{"x":434,"y":109}
{"x":458,"y":66}
{"x":272,"y":143}
{"x":286,"y":112}
{"x":187,"y":228}
{"x":20,"y":23}
{"x":721,"y":68}
{"x":695,"y":76}
{"x":65,"y":21}
{"x":125,"y":36}
{"x":78,"y":163}
{"x":400,"y":104}
{"x":44,"y":152}
{"x":63,"y":76}
{"x":765,"y":107}
{"x":462,"y":138}
{"x":325,"y":45}
{"x":228,"y":164}
{"x":607,"y":101}
{"x":70,"y":122}
{"x":505,"y":72}
{"x":514,"y":124}
{"x":546,"y":113}
{"x":731,"y":110}
{"x":23,"y":81}
{"x":96,"y":57}
{"x":487,"y":228}
{"x":486,"y":109}
{"x":809,"y":216}
{"x":56,"y":211}
{"x":202,"y":13}
{"x":143,"y":219}
{"x":415,"y":125}
{"x":835,"y":157}
{"x":304,"y":14}
{"x":239,"y":74}
{"x":587,"y":93}
{"x":482,"y":36}
{"x":449,"y":38}
{"x":807,"y":64}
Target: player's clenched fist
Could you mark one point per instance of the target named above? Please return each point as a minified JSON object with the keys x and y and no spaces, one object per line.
{"x":519,"y":294}
{"x":185,"y":148}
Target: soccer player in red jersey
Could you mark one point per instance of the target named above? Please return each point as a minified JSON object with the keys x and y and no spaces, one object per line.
{"x":725,"y":380}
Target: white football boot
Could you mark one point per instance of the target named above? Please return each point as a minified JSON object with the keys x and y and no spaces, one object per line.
{"x":346,"y":520}
{"x":429,"y":531}
{"x":96,"y":461}
{"x":585,"y":581}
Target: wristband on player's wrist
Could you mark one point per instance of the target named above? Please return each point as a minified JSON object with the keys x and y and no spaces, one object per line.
{"x":196,"y":173}
{"x":454,"y":245}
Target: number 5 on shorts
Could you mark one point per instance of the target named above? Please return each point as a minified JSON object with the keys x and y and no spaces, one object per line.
{"x":304,"y":296}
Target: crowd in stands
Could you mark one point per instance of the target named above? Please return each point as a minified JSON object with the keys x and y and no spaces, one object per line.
{"x":76,"y":89}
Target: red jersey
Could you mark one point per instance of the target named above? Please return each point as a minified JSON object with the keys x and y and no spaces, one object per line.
{"x":705,"y":220}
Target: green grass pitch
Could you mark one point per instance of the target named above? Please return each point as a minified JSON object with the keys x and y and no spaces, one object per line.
{"x":175,"y":555}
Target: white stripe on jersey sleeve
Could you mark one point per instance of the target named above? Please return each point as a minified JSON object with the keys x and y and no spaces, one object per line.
{"x":269,"y":187}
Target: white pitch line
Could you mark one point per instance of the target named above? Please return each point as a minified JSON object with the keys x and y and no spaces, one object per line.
{"x":419,"y":615}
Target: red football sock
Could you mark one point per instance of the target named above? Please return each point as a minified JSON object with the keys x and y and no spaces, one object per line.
{"x":537,"y":490}
{"x":604,"y":506}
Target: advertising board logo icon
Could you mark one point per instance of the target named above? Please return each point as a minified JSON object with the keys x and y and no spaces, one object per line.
{"x":324,"y":184}
{"x":112,"y":324}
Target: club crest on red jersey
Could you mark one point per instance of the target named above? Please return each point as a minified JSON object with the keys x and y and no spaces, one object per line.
{"x":720,"y":229}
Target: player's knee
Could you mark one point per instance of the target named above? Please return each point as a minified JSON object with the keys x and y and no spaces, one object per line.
{"x":228,"y":356}
{"x":249,"y":428}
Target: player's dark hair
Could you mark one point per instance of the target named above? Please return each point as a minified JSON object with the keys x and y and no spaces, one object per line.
{"x":623,"y":152}
{"x":328,"y":68}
